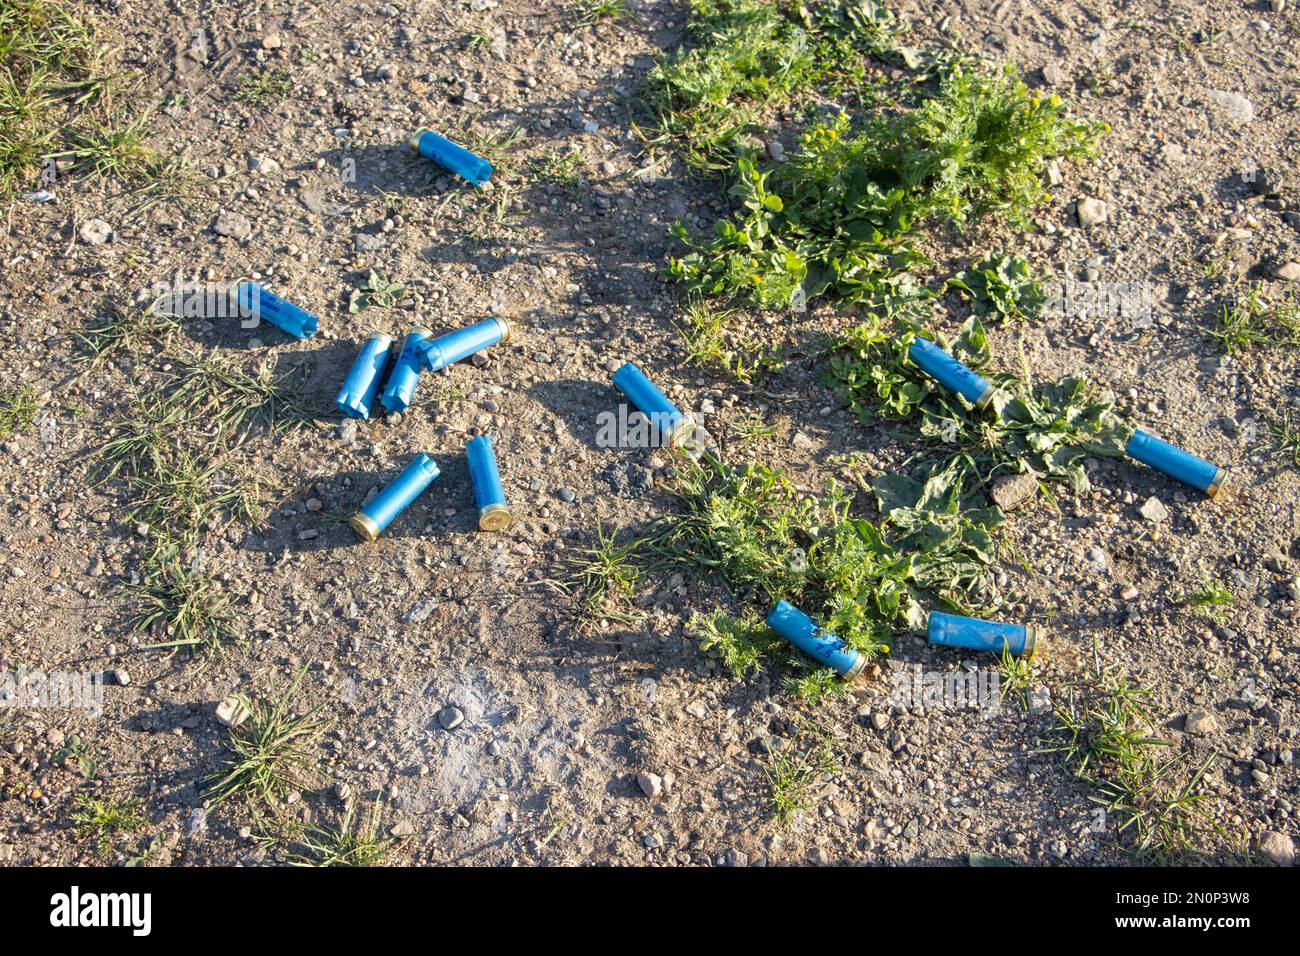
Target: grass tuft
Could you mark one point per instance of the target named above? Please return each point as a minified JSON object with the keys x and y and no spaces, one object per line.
{"x":560,"y":170}
{"x":591,"y":12}
{"x":603,"y":579}
{"x":231,"y":400}
{"x":52,"y":66}
{"x":271,"y":750}
{"x":1246,"y":320}
{"x":703,"y":328}
{"x":126,"y":331}
{"x":184,"y":604}
{"x":1285,"y":431}
{"x":351,"y":843}
{"x":1155,"y":801}
{"x":795,"y":769}
{"x":263,"y":87}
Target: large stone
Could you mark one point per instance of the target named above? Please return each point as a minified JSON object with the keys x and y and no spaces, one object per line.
{"x":1277,"y":847}
{"x":451,"y":717}
{"x":1200,"y":723}
{"x":95,"y":232}
{"x":1091,"y":212}
{"x":1013,"y":491}
{"x":232,"y":224}
{"x":232,"y":712}
{"x":1290,"y":271}
{"x":651,"y":784}
{"x":1235,"y":106}
{"x":1154,"y":510}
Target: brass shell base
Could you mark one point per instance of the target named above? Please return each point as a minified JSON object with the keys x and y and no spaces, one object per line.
{"x":1217,"y":484}
{"x":364,"y":526}
{"x":494,"y":518}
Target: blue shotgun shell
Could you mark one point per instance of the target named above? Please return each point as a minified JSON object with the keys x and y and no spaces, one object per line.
{"x":953,"y":630}
{"x":950,"y":373}
{"x":654,"y":404}
{"x":446,"y":153}
{"x":369,"y":523}
{"x":454,"y":346}
{"x":360,"y":389}
{"x":822,"y":646}
{"x":1175,"y":462}
{"x":399,"y":391}
{"x":254,"y":300}
{"x":493,"y":510}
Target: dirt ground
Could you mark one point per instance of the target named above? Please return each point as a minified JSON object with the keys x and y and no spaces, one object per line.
{"x":559,"y":722}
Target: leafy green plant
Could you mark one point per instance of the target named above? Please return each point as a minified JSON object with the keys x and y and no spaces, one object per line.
{"x":1210,"y":599}
{"x":18,"y":410}
{"x":839,"y":218}
{"x":982,"y":144}
{"x":263,"y":86}
{"x":818,"y":224}
{"x":932,"y":517}
{"x":741,"y":644}
{"x":1000,"y":287}
{"x":864,"y":584}
{"x":1047,"y":431}
{"x":378,"y":291}
{"x":102,"y":820}
{"x":749,"y":56}
{"x":75,"y":754}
